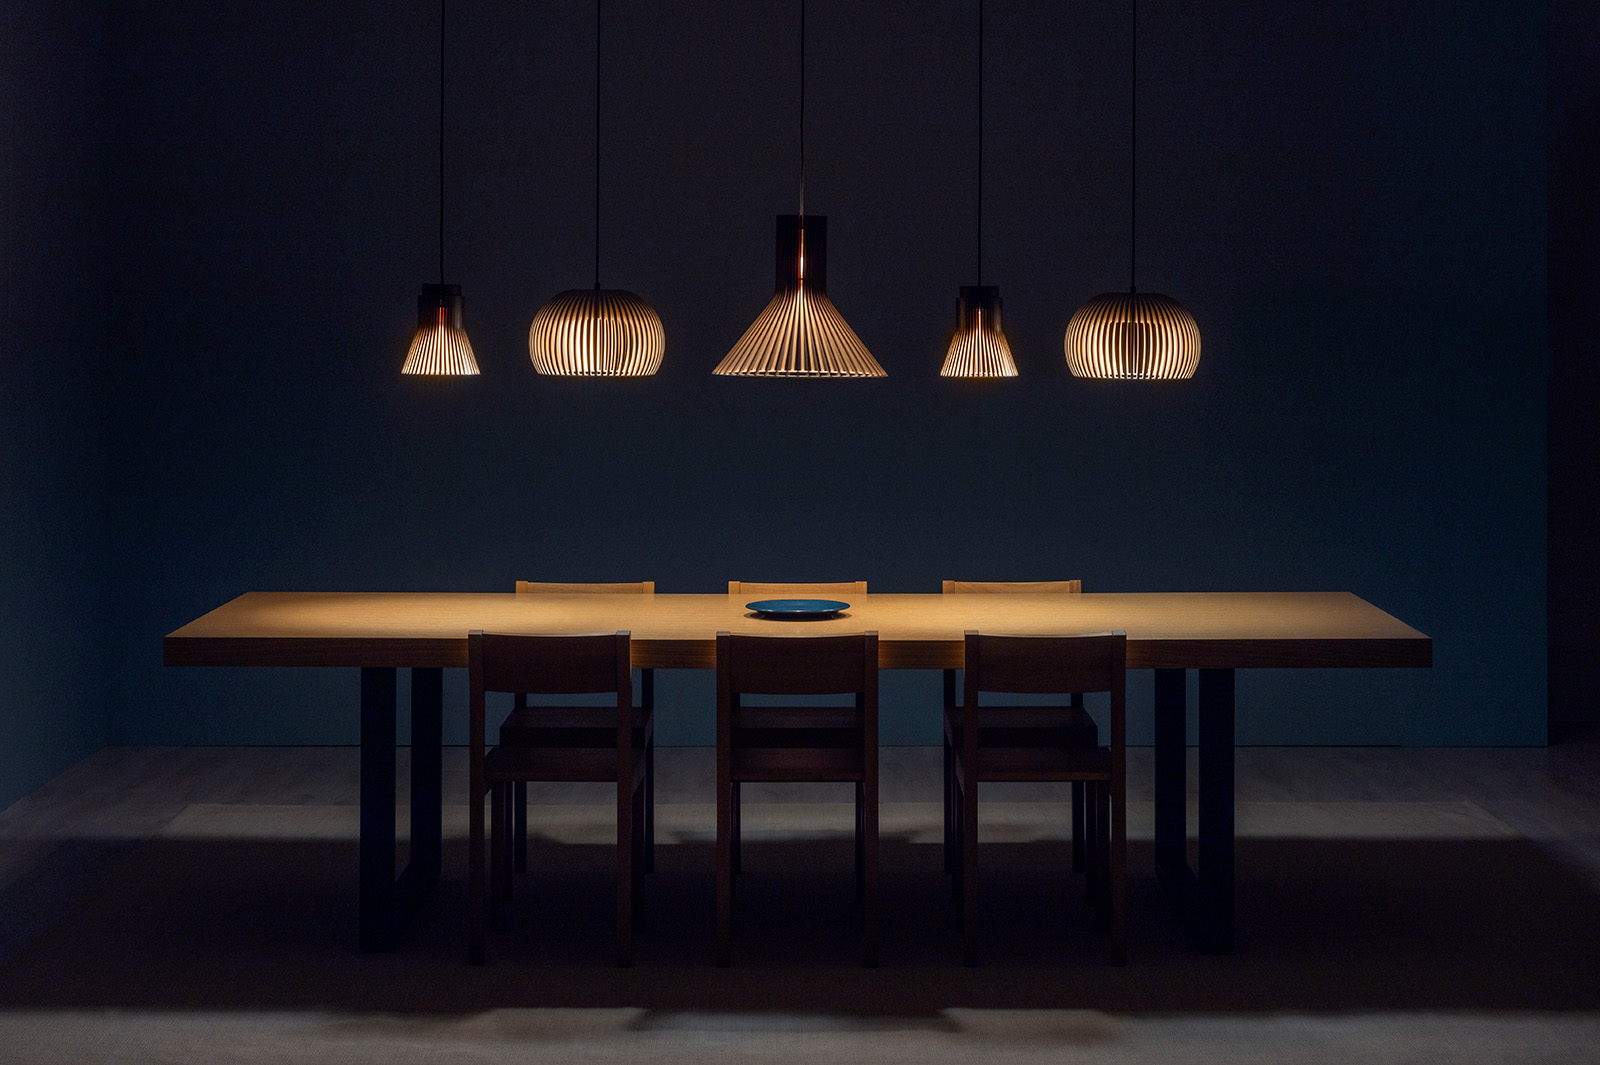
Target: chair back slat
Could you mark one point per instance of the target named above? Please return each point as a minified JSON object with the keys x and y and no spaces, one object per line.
{"x":560,"y":588}
{"x":553,"y":665}
{"x":798,"y":665}
{"x":1013,"y":587}
{"x":823,"y":589}
{"x":1045,"y":664}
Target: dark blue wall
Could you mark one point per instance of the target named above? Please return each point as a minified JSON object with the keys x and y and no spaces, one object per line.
{"x":53,"y":500}
{"x":1351,"y":201}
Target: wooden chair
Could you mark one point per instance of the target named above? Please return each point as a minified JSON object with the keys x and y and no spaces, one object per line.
{"x":553,"y":665}
{"x":825,"y":589}
{"x":1006,"y":726}
{"x":1045,"y":665}
{"x":797,"y":743}
{"x":578,"y":726}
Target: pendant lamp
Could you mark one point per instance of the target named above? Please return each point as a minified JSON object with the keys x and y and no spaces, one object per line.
{"x":440,"y":346}
{"x":598,"y":332}
{"x":800,"y":334}
{"x":979,"y":348}
{"x":1133,"y":335}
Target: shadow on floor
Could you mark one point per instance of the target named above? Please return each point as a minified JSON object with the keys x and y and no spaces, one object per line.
{"x":1326,"y":925}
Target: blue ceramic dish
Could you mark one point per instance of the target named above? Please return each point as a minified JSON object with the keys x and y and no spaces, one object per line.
{"x":797,"y":609}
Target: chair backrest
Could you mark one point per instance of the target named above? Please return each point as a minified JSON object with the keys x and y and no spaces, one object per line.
{"x":550,"y":665}
{"x":797,"y":665}
{"x":1013,"y":587}
{"x":558,"y":588}
{"x":821,"y":589}
{"x":1094,"y":662}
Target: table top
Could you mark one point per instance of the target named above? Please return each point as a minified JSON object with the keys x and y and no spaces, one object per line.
{"x":1166,"y":630}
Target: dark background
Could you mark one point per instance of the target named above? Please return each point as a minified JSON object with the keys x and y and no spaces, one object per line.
{"x":218,"y":217}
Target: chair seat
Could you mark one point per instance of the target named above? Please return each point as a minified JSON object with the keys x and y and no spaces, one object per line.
{"x":558,"y":764}
{"x":1042,"y":764}
{"x":571,"y":726}
{"x":1025,"y":726}
{"x":789,"y":764}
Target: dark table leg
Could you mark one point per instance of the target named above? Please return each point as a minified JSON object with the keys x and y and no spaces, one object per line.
{"x":387,"y":901}
{"x":377,"y":890}
{"x":1205,"y":898}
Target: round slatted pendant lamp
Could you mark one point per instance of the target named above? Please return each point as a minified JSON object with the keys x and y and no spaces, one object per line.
{"x":598,"y":332}
{"x":601,"y":332}
{"x":440,"y":346}
{"x":1133,"y":335}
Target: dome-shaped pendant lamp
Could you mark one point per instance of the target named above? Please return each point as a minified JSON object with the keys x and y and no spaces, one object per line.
{"x":1133,"y":335}
{"x":598,"y":332}
{"x":440,"y":346}
{"x":800,"y":334}
{"x":979,"y":348}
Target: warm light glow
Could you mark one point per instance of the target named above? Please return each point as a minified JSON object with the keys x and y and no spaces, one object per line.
{"x":440,"y":346}
{"x":979,"y":348}
{"x":800,"y":334}
{"x":1133,"y":336}
{"x":596,"y":333}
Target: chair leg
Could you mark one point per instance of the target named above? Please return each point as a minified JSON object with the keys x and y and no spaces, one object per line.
{"x":477,"y":889}
{"x":497,"y":854}
{"x":1092,"y":844}
{"x":508,"y":842}
{"x":738,"y":829}
{"x":641,"y":852}
{"x":1077,"y":826}
{"x":727,"y":796}
{"x":861,"y":845}
{"x":969,"y":873}
{"x":869,"y":853}
{"x":957,"y":820}
{"x":627,"y":847}
{"x":519,"y":808}
{"x":1118,"y":887}
{"x":649,"y":863}
{"x":1102,"y":863}
{"x":949,"y":810}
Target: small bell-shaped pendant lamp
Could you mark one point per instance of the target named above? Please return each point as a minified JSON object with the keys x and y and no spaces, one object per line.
{"x":1133,"y":335}
{"x":800,"y":334}
{"x":598,"y":332}
{"x":440,"y":346}
{"x":979,"y":348}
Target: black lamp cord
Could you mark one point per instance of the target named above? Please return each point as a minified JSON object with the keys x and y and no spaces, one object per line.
{"x":597,"y":145}
{"x":980,"y":142}
{"x":802,"y":114}
{"x":1133,"y":156}
{"x":441,"y":141}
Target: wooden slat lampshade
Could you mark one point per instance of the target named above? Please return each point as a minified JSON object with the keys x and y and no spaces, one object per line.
{"x":1133,"y":336}
{"x":979,"y":348}
{"x":596,"y":333}
{"x":440,"y":346}
{"x":800,"y":334}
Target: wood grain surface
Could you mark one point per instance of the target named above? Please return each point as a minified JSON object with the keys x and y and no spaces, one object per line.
{"x":1166,"y":630}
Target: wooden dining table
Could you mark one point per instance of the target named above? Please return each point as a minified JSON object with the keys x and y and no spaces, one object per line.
{"x":1215,"y":633}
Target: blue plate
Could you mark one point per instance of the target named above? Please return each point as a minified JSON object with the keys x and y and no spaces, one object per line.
{"x":797,"y":609}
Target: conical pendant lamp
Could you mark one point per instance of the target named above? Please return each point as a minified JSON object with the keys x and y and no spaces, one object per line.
{"x":979,"y":348}
{"x":598,"y":332}
{"x":440,"y":346}
{"x":1133,"y":335}
{"x":800,"y":334}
